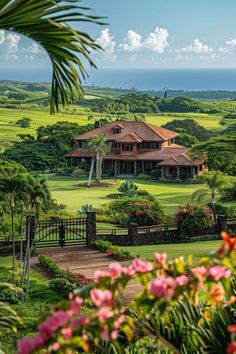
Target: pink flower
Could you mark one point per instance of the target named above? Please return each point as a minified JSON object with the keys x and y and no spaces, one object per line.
{"x":101,"y":298}
{"x":67,"y":333}
{"x":114,"y":335}
{"x":128,"y":271}
{"x":100,"y":274}
{"x":182,"y":280}
{"x":115,"y":269}
{"x":163,"y":286}
{"x":161,"y":259}
{"x":82,"y":321}
{"x":218,"y":272}
{"x":55,"y":347}
{"x":26,"y":345}
{"x":52,"y":323}
{"x":103,"y":314}
{"x":142,"y":266}
{"x":119,"y":321}
{"x":105,"y":334}
{"x":75,"y":305}
{"x":199,"y":272}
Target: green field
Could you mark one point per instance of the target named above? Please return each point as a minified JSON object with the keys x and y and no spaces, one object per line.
{"x":197,"y":249}
{"x":8,"y":118}
{"x":67,"y":190}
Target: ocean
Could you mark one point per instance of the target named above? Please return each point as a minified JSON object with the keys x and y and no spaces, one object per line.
{"x":141,"y":79}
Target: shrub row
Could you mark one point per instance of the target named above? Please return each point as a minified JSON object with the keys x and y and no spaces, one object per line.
{"x":65,"y":281}
{"x":113,"y":251}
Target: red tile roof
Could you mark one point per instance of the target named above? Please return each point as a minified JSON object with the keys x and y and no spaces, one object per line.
{"x":145,"y":131}
{"x":154,"y":155}
{"x":181,"y":160}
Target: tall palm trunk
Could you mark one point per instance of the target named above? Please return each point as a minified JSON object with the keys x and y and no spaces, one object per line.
{"x":91,"y":172}
{"x":21,"y":237}
{"x":100,"y":169}
{"x":98,"y":178}
{"x":13,"y":242}
{"x":213,"y":202}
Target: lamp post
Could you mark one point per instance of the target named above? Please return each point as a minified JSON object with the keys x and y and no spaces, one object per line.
{"x":13,"y":240}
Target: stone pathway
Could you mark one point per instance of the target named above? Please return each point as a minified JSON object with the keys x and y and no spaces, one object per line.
{"x":80,"y":259}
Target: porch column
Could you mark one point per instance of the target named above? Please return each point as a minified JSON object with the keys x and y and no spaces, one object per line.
{"x":163,"y":172}
{"x":115,"y":168}
{"x":178,"y":172}
{"x":135,"y":168}
{"x":143,"y":167}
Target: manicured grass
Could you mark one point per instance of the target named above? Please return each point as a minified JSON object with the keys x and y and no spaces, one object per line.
{"x":197,"y":249}
{"x":67,"y":190}
{"x":209,"y":121}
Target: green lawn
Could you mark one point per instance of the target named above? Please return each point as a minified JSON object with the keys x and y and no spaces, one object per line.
{"x":197,"y":249}
{"x":67,"y":190}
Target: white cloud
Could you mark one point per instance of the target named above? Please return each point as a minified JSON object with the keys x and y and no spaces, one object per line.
{"x":230,"y":46}
{"x":133,"y":42}
{"x":107,"y":43}
{"x":157,"y":41}
{"x":12,"y":41}
{"x":2,"y":37}
{"x":197,"y":47}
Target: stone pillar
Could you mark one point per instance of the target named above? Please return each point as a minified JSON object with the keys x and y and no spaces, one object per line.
{"x":133,"y":235}
{"x":221,"y":222}
{"x":91,"y":230}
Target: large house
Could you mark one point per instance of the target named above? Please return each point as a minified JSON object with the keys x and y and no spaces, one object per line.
{"x":139,"y":147}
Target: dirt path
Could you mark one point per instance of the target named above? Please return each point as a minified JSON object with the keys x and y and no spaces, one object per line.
{"x":79,"y":259}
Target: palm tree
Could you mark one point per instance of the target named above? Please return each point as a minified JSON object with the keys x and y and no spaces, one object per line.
{"x":12,"y":187}
{"x":215,"y":183}
{"x":37,"y":198}
{"x":129,"y":188}
{"x":47,"y":23}
{"x":99,"y":148}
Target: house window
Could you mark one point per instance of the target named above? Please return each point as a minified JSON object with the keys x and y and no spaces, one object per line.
{"x":83,"y":144}
{"x":113,"y":144}
{"x":127,"y":147}
{"x":148,"y":145}
{"x":116,"y":130}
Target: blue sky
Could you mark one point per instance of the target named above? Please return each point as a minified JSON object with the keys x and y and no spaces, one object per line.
{"x":148,"y":34}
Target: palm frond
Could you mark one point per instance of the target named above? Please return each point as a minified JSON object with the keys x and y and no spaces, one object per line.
{"x":47,"y":23}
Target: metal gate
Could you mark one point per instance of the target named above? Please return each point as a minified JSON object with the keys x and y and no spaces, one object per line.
{"x":51,"y":233}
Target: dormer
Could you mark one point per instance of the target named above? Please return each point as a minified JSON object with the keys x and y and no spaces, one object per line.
{"x":117,"y":129}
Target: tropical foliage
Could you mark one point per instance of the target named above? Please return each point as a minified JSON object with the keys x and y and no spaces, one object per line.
{"x":192,"y":218}
{"x":46,"y":151}
{"x":182,"y":307}
{"x":215,"y":183}
{"x":99,"y":148}
{"x":48,"y":23}
{"x":129,"y":189}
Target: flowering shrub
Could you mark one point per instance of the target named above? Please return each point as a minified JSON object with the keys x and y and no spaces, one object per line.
{"x":183,"y":307}
{"x":140,"y":210}
{"x":72,"y":279}
{"x":113,"y":251}
{"x":192,"y":218}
